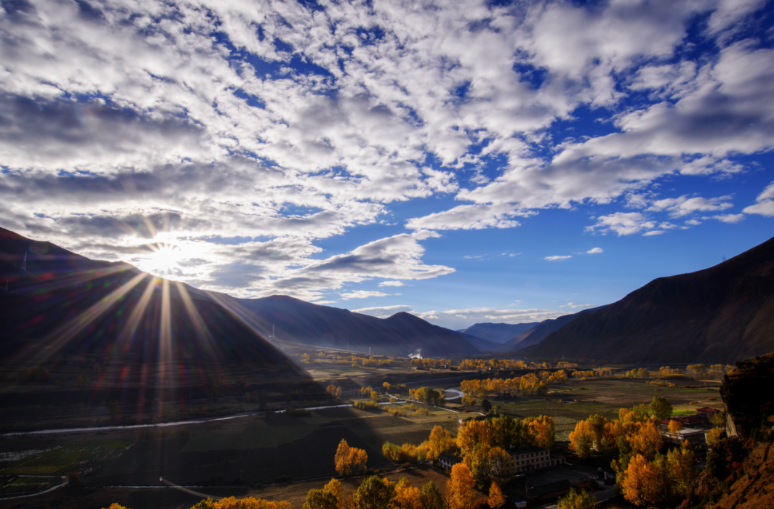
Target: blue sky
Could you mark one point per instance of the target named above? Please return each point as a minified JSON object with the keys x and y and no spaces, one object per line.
{"x":466,"y":161}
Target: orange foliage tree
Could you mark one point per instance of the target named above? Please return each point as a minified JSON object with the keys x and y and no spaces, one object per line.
{"x":582,"y":439}
{"x":496,"y":498}
{"x":462,"y":489}
{"x":543,"y":429}
{"x":406,"y":496}
{"x":440,"y":441}
{"x":242,"y":503}
{"x":644,"y":483}
{"x":329,"y":497}
{"x":349,"y":459}
{"x":675,"y":426}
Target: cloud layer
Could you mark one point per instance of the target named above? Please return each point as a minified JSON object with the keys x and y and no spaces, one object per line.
{"x":220,"y":142}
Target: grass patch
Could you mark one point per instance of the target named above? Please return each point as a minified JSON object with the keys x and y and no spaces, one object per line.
{"x":64,"y":457}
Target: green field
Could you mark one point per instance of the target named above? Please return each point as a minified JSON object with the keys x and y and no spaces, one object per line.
{"x":59,"y":459}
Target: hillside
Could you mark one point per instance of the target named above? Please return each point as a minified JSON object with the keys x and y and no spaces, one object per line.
{"x":302,"y":322}
{"x":498,"y":332}
{"x":66,"y":305}
{"x":537,"y":333}
{"x":718,"y":314}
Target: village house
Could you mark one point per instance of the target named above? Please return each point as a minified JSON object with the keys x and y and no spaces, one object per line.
{"x":533,"y":458}
{"x":696,"y":440}
{"x":447,"y":460}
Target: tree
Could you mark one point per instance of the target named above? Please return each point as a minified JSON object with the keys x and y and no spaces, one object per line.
{"x":661,"y":408}
{"x":486,"y":405}
{"x":505,"y":431}
{"x":714,"y":435}
{"x":543,"y":429}
{"x":333,"y":391}
{"x":461,"y":488}
{"x":500,"y":463}
{"x":468,"y":400}
{"x":582,"y":439}
{"x":431,"y":497}
{"x":675,"y":426}
{"x":496,"y":498}
{"x":644,"y":482}
{"x":440,"y":441}
{"x":680,"y":470}
{"x":472,"y":433}
{"x":406,"y":496}
{"x":374,"y":493}
{"x":647,"y":440}
{"x":374,"y":396}
{"x":349,"y":459}
{"x":329,"y":497}
{"x":578,"y":500}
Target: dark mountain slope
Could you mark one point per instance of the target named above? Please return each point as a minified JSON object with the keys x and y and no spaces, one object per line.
{"x":302,"y":322}
{"x":540,"y":331}
{"x":718,"y":314}
{"x":498,"y":332}
{"x":65,"y":304}
{"x":482,"y":344}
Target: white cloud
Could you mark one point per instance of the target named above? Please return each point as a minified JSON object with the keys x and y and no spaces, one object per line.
{"x":765,"y":203}
{"x":468,"y":217}
{"x":384,"y":311}
{"x":653,"y":233}
{"x":391,"y":283}
{"x":363,"y":294}
{"x":595,"y":250}
{"x":456,"y":319}
{"x":683,"y":205}
{"x":572,"y":305}
{"x":622,"y":223}
{"x":729,"y":218}
{"x":558,"y":257}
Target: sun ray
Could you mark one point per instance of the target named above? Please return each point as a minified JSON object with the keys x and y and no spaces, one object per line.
{"x":63,"y":334}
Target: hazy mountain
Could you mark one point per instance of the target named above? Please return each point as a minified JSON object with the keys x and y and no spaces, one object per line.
{"x":540,"y":331}
{"x":498,"y":332}
{"x":65,"y":304}
{"x":718,"y":314}
{"x":482,"y":344}
{"x":312,"y":324}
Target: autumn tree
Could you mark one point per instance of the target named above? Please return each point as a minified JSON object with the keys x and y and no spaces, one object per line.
{"x":431,"y":497}
{"x":661,"y":408}
{"x":714,"y":435}
{"x":486,"y":405}
{"x":406,"y":496}
{"x":333,"y":391}
{"x":387,"y":386}
{"x":349,"y":459}
{"x":647,"y":440}
{"x":499,"y":463}
{"x":644,"y":483}
{"x":675,"y":426}
{"x":374,"y":396}
{"x":472,"y":433}
{"x":374,"y":493}
{"x":543,"y":429}
{"x":329,"y":497}
{"x":241,"y":503}
{"x":578,"y":500}
{"x":582,"y":439}
{"x":462,"y":488}
{"x":680,"y":470}
{"x":496,"y":498}
{"x":440,"y":441}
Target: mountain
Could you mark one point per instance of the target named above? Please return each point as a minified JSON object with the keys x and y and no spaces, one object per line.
{"x":498,"y":332}
{"x":302,"y":322}
{"x":65,"y":306}
{"x":719,"y":314}
{"x":539,"y":332}
{"x":482,"y":344}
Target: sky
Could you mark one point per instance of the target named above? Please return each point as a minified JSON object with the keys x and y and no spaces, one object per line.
{"x":466,"y":161}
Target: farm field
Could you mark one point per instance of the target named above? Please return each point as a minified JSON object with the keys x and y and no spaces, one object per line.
{"x":242,"y":455}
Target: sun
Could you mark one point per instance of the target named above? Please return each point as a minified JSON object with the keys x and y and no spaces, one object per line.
{"x":164,"y":260}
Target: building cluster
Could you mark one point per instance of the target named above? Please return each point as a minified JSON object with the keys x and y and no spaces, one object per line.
{"x":694,"y":430}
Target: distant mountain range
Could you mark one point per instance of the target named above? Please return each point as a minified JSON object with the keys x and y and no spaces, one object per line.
{"x":302,"y":322}
{"x":497,"y":333}
{"x":539,"y":332}
{"x":719,"y":314}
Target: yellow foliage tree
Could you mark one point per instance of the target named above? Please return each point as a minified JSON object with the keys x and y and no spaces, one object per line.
{"x":374,"y":493}
{"x":472,"y":433}
{"x":582,"y":439}
{"x":543,"y":429}
{"x":578,"y":500}
{"x":496,"y":498}
{"x":713,"y":436}
{"x":646,"y":440}
{"x":333,"y":391}
{"x":675,"y":426}
{"x":406,"y":496}
{"x":331,"y":496}
{"x":440,"y":441}
{"x":681,"y":470}
{"x":349,"y":459}
{"x":500,"y":463}
{"x":461,"y":489}
{"x":242,"y":503}
{"x":644,"y":482}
